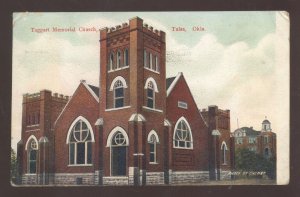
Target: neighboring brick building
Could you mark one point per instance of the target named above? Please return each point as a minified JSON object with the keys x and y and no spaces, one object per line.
{"x":138,"y":128}
{"x":261,"y":142}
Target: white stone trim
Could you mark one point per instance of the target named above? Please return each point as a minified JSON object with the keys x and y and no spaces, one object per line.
{"x":88,"y":125}
{"x":43,"y":139}
{"x":152,"y":109}
{"x":154,"y":84}
{"x":116,"y":79}
{"x":30,"y":138}
{"x":91,"y":91}
{"x":33,"y":125}
{"x":188,"y":125}
{"x":79,"y":165}
{"x":99,"y":122}
{"x":152,"y":70}
{"x":137,"y":117}
{"x":32,"y":130}
{"x":215,"y":132}
{"x":167,"y":123}
{"x":113,"y":109}
{"x":113,"y":70}
{"x":171,"y":87}
{"x":224,"y":143}
{"x":111,"y":134}
{"x":152,"y":132}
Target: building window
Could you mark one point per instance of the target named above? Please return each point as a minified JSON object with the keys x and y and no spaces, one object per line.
{"x":266,"y":153}
{"x":119,"y":59}
{"x":150,"y":61}
{"x":182,"y":104}
{"x":80,"y":144}
{"x":266,"y":139}
{"x":223,"y":153}
{"x":118,"y":94}
{"x":152,"y":144}
{"x":252,"y":140}
{"x":126,"y":57}
{"x":150,"y":95}
{"x":156,"y":64}
{"x":33,"y":119}
{"x":145,"y":58}
{"x":38,"y":118}
{"x":239,"y":140}
{"x":32,"y":156}
{"x":182,"y":135}
{"x":111,"y":61}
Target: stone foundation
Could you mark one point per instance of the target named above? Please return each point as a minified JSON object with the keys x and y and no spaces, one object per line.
{"x":30,"y":179}
{"x":115,"y":180}
{"x":186,"y":177}
{"x":154,"y":178}
{"x":225,"y":175}
{"x":74,"y":179}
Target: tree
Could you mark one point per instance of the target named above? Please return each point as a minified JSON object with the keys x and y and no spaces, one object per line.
{"x":246,"y":160}
{"x":13,"y":166}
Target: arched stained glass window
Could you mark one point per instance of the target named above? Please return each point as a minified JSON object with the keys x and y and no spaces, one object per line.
{"x":32,"y":156}
{"x":182,"y":135}
{"x":80,"y":145}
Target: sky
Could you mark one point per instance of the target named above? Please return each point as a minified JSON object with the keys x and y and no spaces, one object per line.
{"x":239,"y":62}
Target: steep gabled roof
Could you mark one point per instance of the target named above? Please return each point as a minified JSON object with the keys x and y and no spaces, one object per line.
{"x":171,"y":82}
{"x":95,"y":89}
{"x":92,"y":89}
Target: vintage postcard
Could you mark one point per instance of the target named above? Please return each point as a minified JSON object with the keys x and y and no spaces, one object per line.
{"x":150,"y":98}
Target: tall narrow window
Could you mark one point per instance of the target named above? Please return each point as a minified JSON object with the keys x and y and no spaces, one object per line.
{"x":156,"y":64}
{"x":80,"y":147}
{"x":119,"y":59}
{"x":37,"y":118}
{"x":32,"y":156}
{"x":223,"y":153}
{"x":182,"y":135}
{"x":33,"y":119}
{"x":266,"y":139}
{"x":150,"y":61}
{"x":111,"y":61}
{"x":266,"y":152}
{"x":145,"y":58}
{"x":126,"y":57}
{"x":150,"y":95}
{"x":28,"y":120}
{"x":152,"y":144}
{"x":118,"y":94}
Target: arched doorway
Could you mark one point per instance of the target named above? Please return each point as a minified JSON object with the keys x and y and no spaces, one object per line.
{"x":118,"y":154}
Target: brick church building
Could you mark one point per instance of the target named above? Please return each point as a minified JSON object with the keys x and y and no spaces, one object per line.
{"x":136,"y":128}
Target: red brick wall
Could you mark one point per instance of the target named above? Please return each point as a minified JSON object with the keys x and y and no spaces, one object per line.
{"x":186,"y":159}
{"x":48,"y":107}
{"x":81,"y":104}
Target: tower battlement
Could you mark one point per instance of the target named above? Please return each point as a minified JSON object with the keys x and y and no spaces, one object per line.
{"x":134,"y":23}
